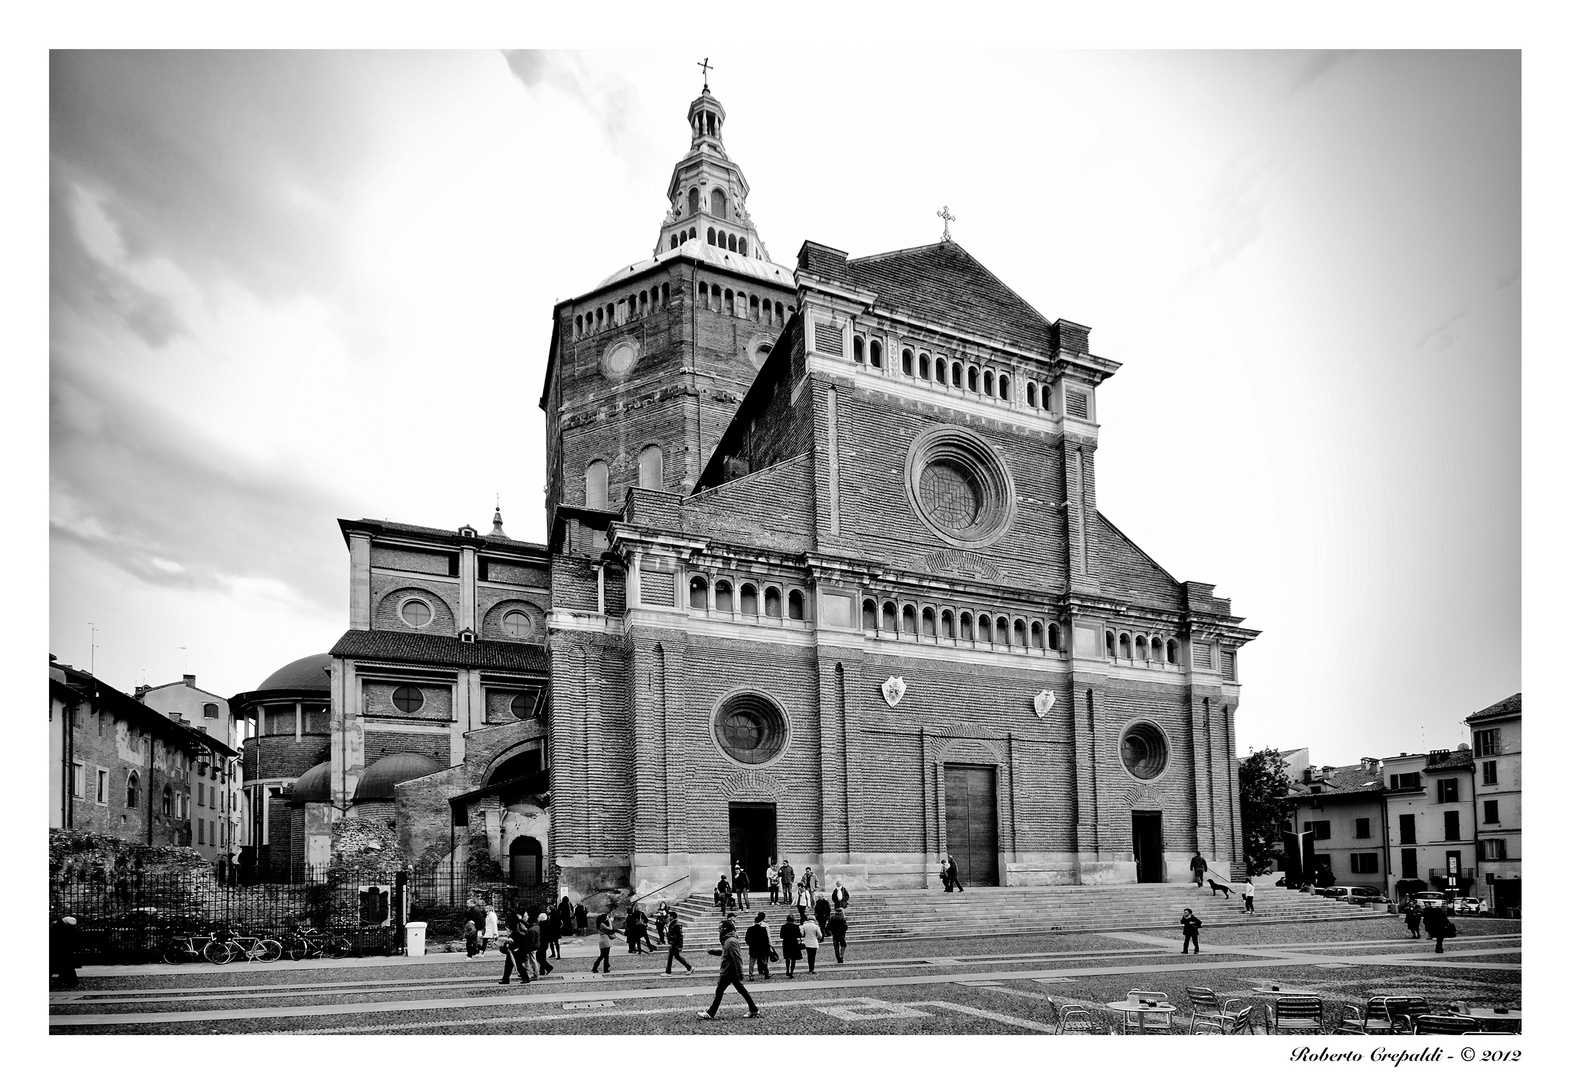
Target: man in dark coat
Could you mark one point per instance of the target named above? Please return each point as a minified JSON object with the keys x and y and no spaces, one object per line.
{"x":1197,"y":866}
{"x":758,"y":946}
{"x":1413,"y":916}
{"x":581,"y":917}
{"x":730,"y":953}
{"x":837,"y":933}
{"x":840,"y":897}
{"x":513,"y":948}
{"x":787,"y":881}
{"x":741,"y":884}
{"x":791,"y":945}
{"x":62,"y":951}
{"x":821,"y":912}
{"x":1191,"y":926}
{"x":475,"y":913}
{"x":564,"y":922}
{"x":674,"y":934}
{"x":1437,"y":926}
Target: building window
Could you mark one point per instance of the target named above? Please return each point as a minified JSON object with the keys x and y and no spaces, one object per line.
{"x":651,"y":469}
{"x":1172,"y":651}
{"x":794,"y":608}
{"x":1447,"y":790}
{"x":76,"y":779}
{"x":1408,"y":781}
{"x":1320,"y":830}
{"x":1453,"y":825}
{"x":597,"y":479}
{"x":1361,"y":828}
{"x":201,"y":794}
{"x":946,"y":624}
{"x":133,"y":791}
{"x":201,"y":837}
{"x":698,"y":594}
{"x":313,"y":720}
{"x":1486,"y":743}
{"x":749,"y":598}
{"x":167,"y":803}
{"x":1366,"y":862}
{"x":1407,"y":830}
{"x":908,"y":620}
{"x":1123,"y":647}
{"x":1491,"y":812}
{"x":869,"y":615}
{"x":750,"y":728}
{"x":1143,"y":750}
{"x":771,"y":602}
{"x":1055,"y":640}
{"x":965,"y":627}
{"x":408,"y":699}
{"x":516,"y":624}
{"x":1495,"y":849}
{"x":279,"y":720}
{"x":875,"y":353}
{"x":415,"y":612}
{"x":858,"y":347}
{"x":924,"y":366}
{"x":1409,"y":862}
{"x":525,"y":704}
{"x":1491,"y":774}
{"x":929,"y":623}
{"x":210,"y":711}
{"x":723,"y":596}
{"x":905,"y":361}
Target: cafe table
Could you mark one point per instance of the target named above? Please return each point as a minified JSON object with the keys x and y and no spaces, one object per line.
{"x":1509,"y":1019}
{"x":1140,"y":1012}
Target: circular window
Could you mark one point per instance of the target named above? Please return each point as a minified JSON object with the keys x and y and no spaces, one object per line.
{"x":959,"y":487}
{"x":415,"y":612}
{"x":524,"y":704}
{"x":750,"y":728}
{"x":517,"y":624}
{"x":408,"y":699}
{"x":1144,"y":750}
{"x":619,"y":358}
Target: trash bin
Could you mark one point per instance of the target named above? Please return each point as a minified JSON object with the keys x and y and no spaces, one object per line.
{"x":414,"y":939}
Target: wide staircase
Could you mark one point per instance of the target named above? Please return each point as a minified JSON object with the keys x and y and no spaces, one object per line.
{"x":892,"y":914}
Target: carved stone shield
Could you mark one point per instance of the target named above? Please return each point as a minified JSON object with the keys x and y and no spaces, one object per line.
{"x":1044,"y":703}
{"x":894,"y":689}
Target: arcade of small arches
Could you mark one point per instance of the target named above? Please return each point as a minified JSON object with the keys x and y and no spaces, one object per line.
{"x":729,"y":596}
{"x":715,"y":238}
{"x":618,"y":312}
{"x":957,"y":375}
{"x":1121,"y":645}
{"x":734,"y":302}
{"x":952,"y":626}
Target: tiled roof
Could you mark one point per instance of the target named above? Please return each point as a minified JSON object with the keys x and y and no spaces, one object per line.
{"x":1341,"y":780}
{"x":452,"y":536}
{"x":1512,"y":704}
{"x":437,"y":649}
{"x":696,"y":248}
{"x":943,"y":283}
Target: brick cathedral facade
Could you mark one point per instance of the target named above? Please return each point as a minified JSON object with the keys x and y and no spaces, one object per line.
{"x":825,"y":579}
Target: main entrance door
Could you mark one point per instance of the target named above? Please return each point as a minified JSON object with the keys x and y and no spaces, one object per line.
{"x":971,"y":822}
{"x":1147,"y":828}
{"x":752,"y":841}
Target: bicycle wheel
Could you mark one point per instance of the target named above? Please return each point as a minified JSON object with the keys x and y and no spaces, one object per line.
{"x":268,"y":950}
{"x":337,"y":947}
{"x":298,"y":948}
{"x":218,"y":952}
{"x":174,"y":952}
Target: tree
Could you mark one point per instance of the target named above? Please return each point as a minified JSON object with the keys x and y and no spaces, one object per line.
{"x":1263,"y":807}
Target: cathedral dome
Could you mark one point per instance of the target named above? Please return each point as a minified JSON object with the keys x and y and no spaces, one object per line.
{"x":306,"y":673}
{"x":315,"y":785}
{"x":378,"y":780}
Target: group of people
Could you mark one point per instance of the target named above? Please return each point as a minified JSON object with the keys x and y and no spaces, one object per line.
{"x":1433,"y":918}
{"x":735,"y":893}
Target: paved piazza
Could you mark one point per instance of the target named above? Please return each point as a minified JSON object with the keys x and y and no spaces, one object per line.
{"x":946,"y":986}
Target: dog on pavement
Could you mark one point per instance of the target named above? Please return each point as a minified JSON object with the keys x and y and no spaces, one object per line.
{"x":1218,"y":887}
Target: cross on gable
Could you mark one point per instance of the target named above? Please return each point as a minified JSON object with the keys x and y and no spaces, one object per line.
{"x":706,"y":65}
{"x":948,"y":217}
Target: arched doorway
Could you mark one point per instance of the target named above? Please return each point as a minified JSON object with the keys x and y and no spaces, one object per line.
{"x":523,"y":861}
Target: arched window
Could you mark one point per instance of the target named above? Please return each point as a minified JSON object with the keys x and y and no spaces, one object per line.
{"x":1123,"y":647}
{"x":905,"y":361}
{"x":1031,"y":394}
{"x":908,"y":620}
{"x":1172,"y":651}
{"x":741,"y":246}
{"x":987,"y":383}
{"x":673,"y":241}
{"x":946,"y":625}
{"x":210,"y":711}
{"x":723,"y":596}
{"x":730,"y":302}
{"x":1020,"y":632}
{"x":971,"y":379}
{"x":965,"y":627}
{"x":665,"y":294}
{"x":1112,"y":647}
{"x":643,"y":301}
{"x":875,"y":354}
{"x":523,"y":861}
{"x":752,"y":308}
{"x":578,"y":326}
{"x":984,"y":628}
{"x":711,"y":235}
{"x":857,"y":346}
{"x":1055,"y":639}
{"x":869,"y":615}
{"x":703,"y":293}
{"x":1156,"y":648}
{"x":731,"y":242}
{"x":924,"y":366}
{"x":749,"y":603}
{"x":794,"y":607}
{"x":168,"y":803}
{"x":943,"y":371}
{"x":597,"y":481}
{"x":133,"y":790}
{"x":779,"y":313}
{"x":1003,"y":387}
{"x":954,"y":375}
{"x":771,"y":602}
{"x":1002,"y":626}
{"x":692,"y":200}
{"x":1140,"y":648}
{"x":1036,"y":635}
{"x":890,"y":616}
{"x":717,"y":203}
{"x":651,"y":469}
{"x":698,"y":594}
{"x":929,"y":623}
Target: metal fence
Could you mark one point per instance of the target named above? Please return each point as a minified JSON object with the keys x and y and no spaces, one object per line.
{"x":129,"y":917}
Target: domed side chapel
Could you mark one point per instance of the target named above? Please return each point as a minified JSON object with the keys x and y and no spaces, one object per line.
{"x":826,"y":580}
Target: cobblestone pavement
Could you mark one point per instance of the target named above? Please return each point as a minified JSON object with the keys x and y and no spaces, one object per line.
{"x":942,"y":986}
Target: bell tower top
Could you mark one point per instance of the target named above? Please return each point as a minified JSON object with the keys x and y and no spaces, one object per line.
{"x":708,"y":193}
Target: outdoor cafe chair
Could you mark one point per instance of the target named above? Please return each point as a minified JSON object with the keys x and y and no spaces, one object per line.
{"x":1076,"y":1020}
{"x":1351,"y":1022}
{"x":1428,"y":1024}
{"x":1299,"y":1014}
{"x":1207,"y":1007}
{"x":1380,"y":1013}
{"x":1403,"y":1012}
{"x":1226,"y":1025}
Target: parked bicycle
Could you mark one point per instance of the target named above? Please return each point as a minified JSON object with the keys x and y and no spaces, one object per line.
{"x":184,"y":947}
{"x":251,"y":947}
{"x":309,"y":943}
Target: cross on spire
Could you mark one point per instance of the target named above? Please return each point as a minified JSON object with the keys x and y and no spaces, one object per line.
{"x":706,"y":65}
{"x":948,"y":217}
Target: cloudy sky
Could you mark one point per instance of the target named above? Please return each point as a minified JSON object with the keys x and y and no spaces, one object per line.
{"x":291,"y":287}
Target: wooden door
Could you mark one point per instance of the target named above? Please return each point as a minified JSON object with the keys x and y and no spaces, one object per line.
{"x":971,"y":822}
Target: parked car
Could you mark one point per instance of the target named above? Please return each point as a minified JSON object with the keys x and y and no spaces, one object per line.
{"x":1471,"y":905}
{"x":1430,"y":899}
{"x":1343,"y":893}
{"x":1369,"y":894}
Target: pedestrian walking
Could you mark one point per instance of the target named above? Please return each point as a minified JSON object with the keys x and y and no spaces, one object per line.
{"x":606,"y":932}
{"x":821,"y":912}
{"x":1438,"y":927}
{"x":542,"y":939}
{"x":806,"y":888}
{"x":772,"y":878}
{"x":1191,"y":925}
{"x":740,"y":885}
{"x":943,"y":872}
{"x":1197,"y":866}
{"x":581,"y":918}
{"x":954,"y":874}
{"x":723,"y":896}
{"x":787,"y":879}
{"x":62,"y":951}
{"x":471,"y":939}
{"x":512,"y":950}
{"x":552,"y":929}
{"x":730,"y":953}
{"x":840,"y":897}
{"x":837,"y":927}
{"x":759,"y":946}
{"x":1414,"y":917}
{"x":812,"y":934}
{"x":791,"y":945}
{"x":531,"y":951}
{"x":488,"y":932}
{"x":634,"y":928}
{"x":662,"y":916}
{"x":564,"y":924}
{"x":675,"y":934}
{"x":1248,"y":893}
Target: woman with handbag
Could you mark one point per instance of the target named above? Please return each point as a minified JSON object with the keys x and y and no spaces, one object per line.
{"x":759,"y":949}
